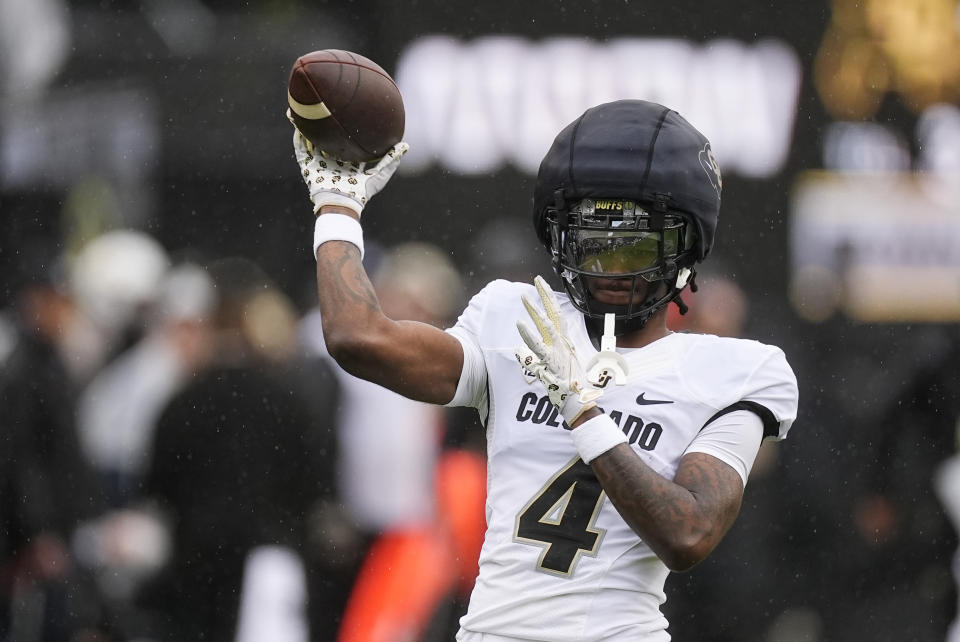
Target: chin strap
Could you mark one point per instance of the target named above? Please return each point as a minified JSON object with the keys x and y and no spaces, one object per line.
{"x":683,"y":307}
{"x":608,"y":365}
{"x":688,"y":276}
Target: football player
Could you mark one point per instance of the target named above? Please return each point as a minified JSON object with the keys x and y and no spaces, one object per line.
{"x":617,"y":450}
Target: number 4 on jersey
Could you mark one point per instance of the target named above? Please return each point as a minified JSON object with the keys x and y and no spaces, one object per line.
{"x":561,"y":519}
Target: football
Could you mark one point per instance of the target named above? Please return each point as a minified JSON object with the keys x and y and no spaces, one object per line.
{"x":345,"y":104}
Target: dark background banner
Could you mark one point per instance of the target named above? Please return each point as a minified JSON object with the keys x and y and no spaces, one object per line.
{"x":219,"y":175}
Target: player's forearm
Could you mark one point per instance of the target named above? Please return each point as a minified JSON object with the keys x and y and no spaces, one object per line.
{"x":680,"y":525}
{"x":413,"y":359}
{"x":357,"y":333}
{"x":348,"y":304}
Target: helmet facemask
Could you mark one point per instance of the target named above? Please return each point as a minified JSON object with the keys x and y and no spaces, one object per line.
{"x":620,"y":245}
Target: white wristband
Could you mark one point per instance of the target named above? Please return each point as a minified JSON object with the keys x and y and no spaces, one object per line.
{"x":596,"y":436}
{"x":337,"y":227}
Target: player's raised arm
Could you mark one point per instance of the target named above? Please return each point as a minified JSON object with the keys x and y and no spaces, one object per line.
{"x":414,"y":359}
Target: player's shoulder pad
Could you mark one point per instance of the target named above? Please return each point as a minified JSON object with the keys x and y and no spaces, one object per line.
{"x":493,"y":312}
{"x":723,"y":371}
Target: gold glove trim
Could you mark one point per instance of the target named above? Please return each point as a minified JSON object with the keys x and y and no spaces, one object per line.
{"x":539,"y":321}
{"x":549,"y":304}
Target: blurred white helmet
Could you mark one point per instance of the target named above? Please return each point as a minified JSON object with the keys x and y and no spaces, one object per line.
{"x":186,"y":294}
{"x":116,"y":275}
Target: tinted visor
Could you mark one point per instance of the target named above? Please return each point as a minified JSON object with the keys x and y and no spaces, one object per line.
{"x":610,"y":252}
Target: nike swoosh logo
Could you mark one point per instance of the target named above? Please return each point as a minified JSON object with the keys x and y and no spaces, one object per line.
{"x":649,"y":402}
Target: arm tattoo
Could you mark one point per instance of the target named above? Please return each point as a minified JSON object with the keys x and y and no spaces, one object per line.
{"x":413,"y":359}
{"x":700,"y":504}
{"x":343,"y":279}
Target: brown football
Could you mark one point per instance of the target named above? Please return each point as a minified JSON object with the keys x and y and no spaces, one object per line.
{"x":345,"y":104}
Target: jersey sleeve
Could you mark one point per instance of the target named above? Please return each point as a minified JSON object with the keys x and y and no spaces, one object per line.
{"x":771,"y":391}
{"x":734,"y":439}
{"x":472,"y":387}
{"x":742,"y":374}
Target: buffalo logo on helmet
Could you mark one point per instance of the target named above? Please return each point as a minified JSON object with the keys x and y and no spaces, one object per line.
{"x":711,"y":167}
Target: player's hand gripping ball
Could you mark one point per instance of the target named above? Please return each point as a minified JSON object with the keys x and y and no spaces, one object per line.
{"x":345,"y":104}
{"x":331,"y":181}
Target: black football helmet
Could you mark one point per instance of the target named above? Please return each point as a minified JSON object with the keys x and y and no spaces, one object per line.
{"x":630,"y":190}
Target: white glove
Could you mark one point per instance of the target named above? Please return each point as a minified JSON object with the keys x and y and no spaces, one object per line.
{"x":335,"y":182}
{"x":552,"y":358}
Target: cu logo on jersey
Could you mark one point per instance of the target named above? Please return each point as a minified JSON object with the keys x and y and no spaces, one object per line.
{"x":711,"y":167}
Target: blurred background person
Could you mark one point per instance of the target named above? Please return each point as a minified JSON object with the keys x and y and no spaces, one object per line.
{"x":119,"y":408}
{"x":718,"y":306}
{"x":903,"y":537}
{"x":46,"y":486}
{"x":116,"y":417}
{"x":415,"y":581}
{"x":241,"y":462}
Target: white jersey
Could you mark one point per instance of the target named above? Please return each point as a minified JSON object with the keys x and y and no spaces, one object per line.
{"x":558,"y":562}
